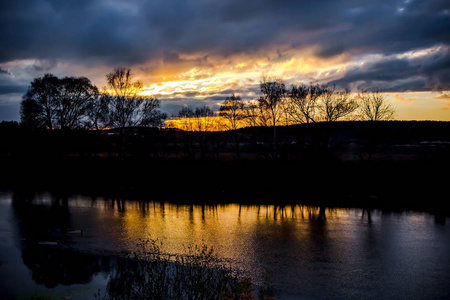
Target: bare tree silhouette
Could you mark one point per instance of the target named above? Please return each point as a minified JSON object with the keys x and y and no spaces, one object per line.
{"x":302,"y":104}
{"x":374,"y":106}
{"x":126,"y":105}
{"x":335,"y":105}
{"x":39,"y":102}
{"x":58,"y":103}
{"x":233,"y":110}
{"x":273,"y":92}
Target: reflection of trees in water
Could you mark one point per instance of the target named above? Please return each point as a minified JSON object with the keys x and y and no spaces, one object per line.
{"x":368,"y":213}
{"x":41,"y":216}
{"x":53,"y":265}
{"x":149,"y":274}
{"x":277,"y":212}
{"x":45,"y":218}
{"x":292,"y":211}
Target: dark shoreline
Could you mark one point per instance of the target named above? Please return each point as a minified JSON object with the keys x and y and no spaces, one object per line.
{"x":419,"y":186}
{"x":384,"y":165}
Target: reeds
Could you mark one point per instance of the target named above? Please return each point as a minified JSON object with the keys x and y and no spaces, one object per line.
{"x":151,"y":273}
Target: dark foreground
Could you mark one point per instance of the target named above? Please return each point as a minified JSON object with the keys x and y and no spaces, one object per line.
{"x":387,"y":165}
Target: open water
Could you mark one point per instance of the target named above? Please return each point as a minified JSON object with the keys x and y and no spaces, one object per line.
{"x":56,"y":247}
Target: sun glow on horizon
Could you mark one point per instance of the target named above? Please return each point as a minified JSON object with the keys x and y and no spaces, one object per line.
{"x":212,"y":79}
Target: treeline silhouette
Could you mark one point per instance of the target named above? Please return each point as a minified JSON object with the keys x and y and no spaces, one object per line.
{"x":74,"y":102}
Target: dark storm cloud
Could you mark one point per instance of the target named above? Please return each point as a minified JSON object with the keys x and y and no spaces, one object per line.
{"x":8,"y":85}
{"x":4,"y":71}
{"x":135,"y":31}
{"x":172,"y":37}
{"x":425,"y":72}
{"x":387,"y":27}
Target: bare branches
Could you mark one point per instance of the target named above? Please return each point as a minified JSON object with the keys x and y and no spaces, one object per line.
{"x":302,"y":105}
{"x":58,"y":103}
{"x":127,"y":106}
{"x":374,"y":107}
{"x":273,"y":92}
{"x":73,"y":102}
{"x":232,"y":110}
{"x":336,"y":105}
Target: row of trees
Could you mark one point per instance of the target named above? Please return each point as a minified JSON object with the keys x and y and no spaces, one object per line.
{"x":74,"y":102}
{"x":279,"y":105}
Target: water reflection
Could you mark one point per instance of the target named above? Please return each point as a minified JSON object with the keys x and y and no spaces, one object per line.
{"x":52,"y":266}
{"x":309,"y":251}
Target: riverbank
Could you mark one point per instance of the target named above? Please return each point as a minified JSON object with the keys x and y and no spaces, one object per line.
{"x":416,"y":185}
{"x":383,"y":165}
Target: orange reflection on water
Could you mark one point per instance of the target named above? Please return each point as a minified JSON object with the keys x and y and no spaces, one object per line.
{"x":224,"y":226}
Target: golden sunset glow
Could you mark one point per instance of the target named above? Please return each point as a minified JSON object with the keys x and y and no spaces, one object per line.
{"x":210,"y":80}
{"x":215,"y":123}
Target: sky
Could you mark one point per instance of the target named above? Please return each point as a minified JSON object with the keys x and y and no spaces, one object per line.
{"x":198,"y":52}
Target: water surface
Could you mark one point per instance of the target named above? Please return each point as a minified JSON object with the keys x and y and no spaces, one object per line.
{"x":305,"y":252}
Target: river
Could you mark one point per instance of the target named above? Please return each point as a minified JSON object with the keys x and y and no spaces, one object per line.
{"x":304,"y":252}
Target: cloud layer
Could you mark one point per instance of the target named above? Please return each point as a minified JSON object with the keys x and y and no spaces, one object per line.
{"x":398,"y":45}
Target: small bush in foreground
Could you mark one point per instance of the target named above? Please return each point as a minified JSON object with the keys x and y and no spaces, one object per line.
{"x":151,"y":273}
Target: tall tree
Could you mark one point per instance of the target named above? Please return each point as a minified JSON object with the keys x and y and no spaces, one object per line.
{"x":336,"y":105}
{"x":232,"y":109}
{"x":58,"y":103}
{"x":98,"y":114}
{"x":127,"y":106}
{"x":185,"y":121}
{"x":273,"y":92}
{"x":302,"y":104}
{"x":373,"y":106}
{"x":205,"y":122}
{"x":43,"y":93}
{"x":31,"y":115}
{"x":76,"y":99}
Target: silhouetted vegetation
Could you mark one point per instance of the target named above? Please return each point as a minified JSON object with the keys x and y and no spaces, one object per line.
{"x":374,"y":107}
{"x":127,"y":107}
{"x":74,"y":102}
{"x":199,"y":274}
{"x":58,"y":103}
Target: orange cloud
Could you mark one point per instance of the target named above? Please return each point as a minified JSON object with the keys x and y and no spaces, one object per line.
{"x":399,"y":98}
{"x":445,"y":106}
{"x":443,"y":96}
